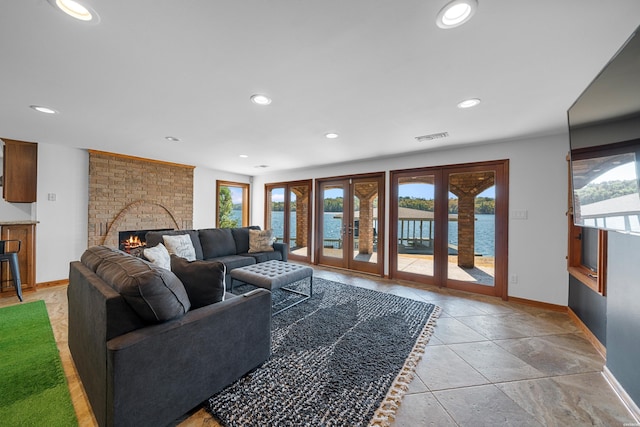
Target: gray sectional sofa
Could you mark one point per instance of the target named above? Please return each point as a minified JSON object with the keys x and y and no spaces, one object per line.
{"x":144,"y":354}
{"x":227,"y":245}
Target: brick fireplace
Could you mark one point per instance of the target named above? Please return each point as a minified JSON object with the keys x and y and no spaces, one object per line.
{"x":131,"y":193}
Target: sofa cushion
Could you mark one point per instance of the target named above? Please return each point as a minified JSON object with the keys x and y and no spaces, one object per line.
{"x":154,"y":237}
{"x":235,"y":261}
{"x":93,"y":256}
{"x":154,"y":293}
{"x":180,"y":245}
{"x":217,"y":242}
{"x":260,"y":241}
{"x":158,"y":255}
{"x":265,"y":256}
{"x":241,"y":236}
{"x":203,"y":280}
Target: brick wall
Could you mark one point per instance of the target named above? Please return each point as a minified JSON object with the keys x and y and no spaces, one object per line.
{"x":130,"y":193}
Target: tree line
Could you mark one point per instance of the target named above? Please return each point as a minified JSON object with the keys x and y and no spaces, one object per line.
{"x":483,"y":205}
{"x":593,"y":193}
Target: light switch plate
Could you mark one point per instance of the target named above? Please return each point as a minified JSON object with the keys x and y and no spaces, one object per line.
{"x":519,"y":214}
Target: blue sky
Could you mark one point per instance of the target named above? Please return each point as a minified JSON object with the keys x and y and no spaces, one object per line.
{"x":623,"y":172}
{"x":424,"y":191}
{"x":236,"y":194}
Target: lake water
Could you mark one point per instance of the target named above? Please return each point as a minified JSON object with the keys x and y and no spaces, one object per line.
{"x":484,"y":231}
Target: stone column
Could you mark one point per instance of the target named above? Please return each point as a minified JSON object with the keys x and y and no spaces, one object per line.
{"x":466,"y":231}
{"x":302,"y":215}
{"x":365,"y":239}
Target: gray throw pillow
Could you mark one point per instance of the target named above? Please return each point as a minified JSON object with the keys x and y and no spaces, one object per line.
{"x":155,"y":294}
{"x":217,"y":242}
{"x":203,"y":280}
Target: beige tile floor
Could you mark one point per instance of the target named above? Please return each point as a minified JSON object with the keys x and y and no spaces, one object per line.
{"x":488,"y":363}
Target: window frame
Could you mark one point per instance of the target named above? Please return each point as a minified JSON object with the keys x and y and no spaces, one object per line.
{"x":246,"y":188}
{"x":598,"y":281}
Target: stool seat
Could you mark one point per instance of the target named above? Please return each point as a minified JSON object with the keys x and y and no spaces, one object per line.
{"x":9,"y":252}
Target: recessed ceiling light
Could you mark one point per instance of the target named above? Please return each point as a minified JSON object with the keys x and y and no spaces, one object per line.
{"x":260,"y":99}
{"x":77,"y":10}
{"x":43,"y":109}
{"x":244,"y":156}
{"x":172,"y":138}
{"x":456,"y":13}
{"x":469,"y":103}
{"x":331,"y":135}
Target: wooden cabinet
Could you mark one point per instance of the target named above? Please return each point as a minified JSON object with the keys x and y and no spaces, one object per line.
{"x":20,"y":171}
{"x":26,"y":233}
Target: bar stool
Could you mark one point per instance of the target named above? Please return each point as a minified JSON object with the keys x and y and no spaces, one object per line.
{"x":7,"y":253}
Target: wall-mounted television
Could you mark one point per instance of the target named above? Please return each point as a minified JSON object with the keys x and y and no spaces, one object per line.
{"x":604,"y":133}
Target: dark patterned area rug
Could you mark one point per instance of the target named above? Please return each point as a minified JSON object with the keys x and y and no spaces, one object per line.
{"x":342,"y":358}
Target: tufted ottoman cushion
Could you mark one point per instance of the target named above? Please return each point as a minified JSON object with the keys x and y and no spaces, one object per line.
{"x":271,"y":274}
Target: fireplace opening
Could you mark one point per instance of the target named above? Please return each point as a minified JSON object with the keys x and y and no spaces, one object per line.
{"x":134,"y":241}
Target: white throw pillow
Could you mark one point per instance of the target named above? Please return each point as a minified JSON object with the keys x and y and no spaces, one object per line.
{"x":158,"y":255}
{"x":180,"y":245}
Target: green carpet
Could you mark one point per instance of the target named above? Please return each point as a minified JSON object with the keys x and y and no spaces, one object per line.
{"x":33,"y":387}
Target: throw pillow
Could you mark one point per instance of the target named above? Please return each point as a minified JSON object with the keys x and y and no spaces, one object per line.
{"x":261,"y":241}
{"x":203,"y":280}
{"x":155,"y":294}
{"x":158,"y":255}
{"x":180,"y":245}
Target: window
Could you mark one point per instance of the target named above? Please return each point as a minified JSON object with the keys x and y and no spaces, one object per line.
{"x":232,"y":204}
{"x":587,"y":253}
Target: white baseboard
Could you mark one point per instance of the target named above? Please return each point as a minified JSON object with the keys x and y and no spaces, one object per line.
{"x":622,"y":394}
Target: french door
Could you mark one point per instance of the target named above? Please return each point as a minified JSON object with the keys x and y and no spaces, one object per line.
{"x":288,"y":214}
{"x":350,"y":224}
{"x":449,"y":226}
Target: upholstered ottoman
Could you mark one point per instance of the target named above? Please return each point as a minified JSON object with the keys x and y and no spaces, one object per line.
{"x":273,"y":275}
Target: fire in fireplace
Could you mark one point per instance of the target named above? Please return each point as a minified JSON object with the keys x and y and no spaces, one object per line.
{"x":134,"y":241}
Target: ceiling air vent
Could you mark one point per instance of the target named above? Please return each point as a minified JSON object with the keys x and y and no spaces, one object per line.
{"x":432,"y":136}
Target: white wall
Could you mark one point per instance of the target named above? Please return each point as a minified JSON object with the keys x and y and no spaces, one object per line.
{"x":204,"y":195}
{"x":537,"y":183}
{"x":61,"y":234}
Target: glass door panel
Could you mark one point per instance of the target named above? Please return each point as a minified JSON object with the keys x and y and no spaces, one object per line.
{"x":299,"y":202}
{"x":363,"y":229}
{"x":472,"y":227}
{"x":276,"y":212}
{"x":332,"y":223}
{"x":416,"y":227}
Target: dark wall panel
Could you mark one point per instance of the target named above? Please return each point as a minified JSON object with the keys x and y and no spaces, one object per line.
{"x":590,"y":307}
{"x":623,"y":312}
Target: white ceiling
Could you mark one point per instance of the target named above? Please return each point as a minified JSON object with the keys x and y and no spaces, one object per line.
{"x":379,"y":73}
